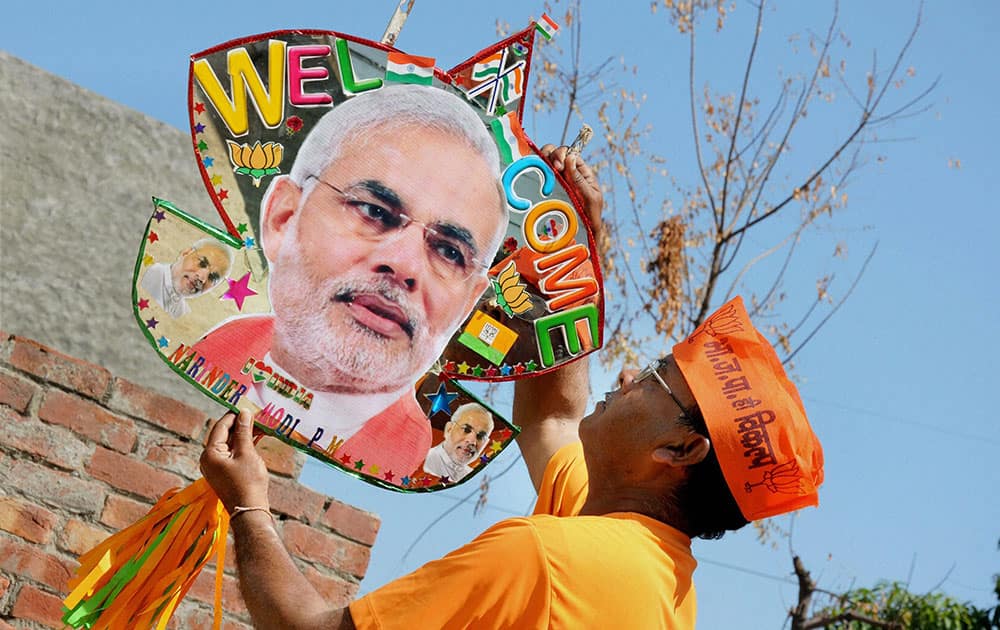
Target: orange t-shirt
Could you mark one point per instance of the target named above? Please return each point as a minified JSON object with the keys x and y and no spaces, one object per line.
{"x":550,"y":570}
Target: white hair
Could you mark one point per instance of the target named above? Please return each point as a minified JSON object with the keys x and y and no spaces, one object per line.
{"x":392,"y":106}
{"x":211,"y":242}
{"x":470,"y":408}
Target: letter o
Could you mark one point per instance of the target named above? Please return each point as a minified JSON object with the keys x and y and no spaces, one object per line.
{"x":540,"y":210}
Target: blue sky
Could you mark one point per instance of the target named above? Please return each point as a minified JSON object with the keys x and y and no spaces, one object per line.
{"x":898,"y":385}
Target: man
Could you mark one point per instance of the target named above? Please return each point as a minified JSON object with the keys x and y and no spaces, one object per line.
{"x":377,"y":242}
{"x":197,"y":270}
{"x":666,"y":457}
{"x":465,"y":437}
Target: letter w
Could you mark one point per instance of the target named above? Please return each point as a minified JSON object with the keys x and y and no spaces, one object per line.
{"x":243,"y":77}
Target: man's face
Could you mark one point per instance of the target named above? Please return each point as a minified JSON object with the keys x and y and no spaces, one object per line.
{"x":631,"y":420}
{"x":465,"y":438}
{"x":197,"y":271}
{"x":361,"y":314}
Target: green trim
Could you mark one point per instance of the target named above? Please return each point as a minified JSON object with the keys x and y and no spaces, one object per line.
{"x":481,"y":348}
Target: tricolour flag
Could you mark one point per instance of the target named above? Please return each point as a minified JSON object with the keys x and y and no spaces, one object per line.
{"x":546,"y":26}
{"x":510,"y":138}
{"x":487,"y":67}
{"x":487,"y":337}
{"x":403,"y":68}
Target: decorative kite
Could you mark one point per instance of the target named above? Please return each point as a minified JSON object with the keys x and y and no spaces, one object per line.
{"x":389,"y":230}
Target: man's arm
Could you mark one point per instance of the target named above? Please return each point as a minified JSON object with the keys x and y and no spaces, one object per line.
{"x":548,"y":408}
{"x":275,"y":591}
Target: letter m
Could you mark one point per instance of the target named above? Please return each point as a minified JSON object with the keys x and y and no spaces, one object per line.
{"x":243,"y":77}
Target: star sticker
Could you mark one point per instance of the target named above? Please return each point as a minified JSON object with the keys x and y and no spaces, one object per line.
{"x":463,"y":368}
{"x":147,"y":260}
{"x":208,"y":162}
{"x":505,"y":433}
{"x":374,"y":469}
{"x":143,"y":304}
{"x":238,"y":290}
{"x":152,"y":238}
{"x":345,"y":459}
{"x":151,"y":322}
{"x":531,"y":366}
{"x":358,"y":465}
{"x":199,"y":128}
{"x":492,"y":371}
{"x":449,"y":366}
{"x":505,"y":370}
{"x":202,"y":145}
{"x":477,"y":371}
{"x":159,"y":215}
{"x":519,"y":368}
{"x":484,"y":459}
{"x":444,"y":479}
{"x":248,"y":241}
{"x":163,"y":342}
{"x":441,"y":401}
{"x":387,"y":475}
{"x":199,"y":107}
{"x":495,"y":447}
{"x":404,"y":480}
{"x":241,"y":228}
{"x":223,"y":194}
{"x":216,"y":180}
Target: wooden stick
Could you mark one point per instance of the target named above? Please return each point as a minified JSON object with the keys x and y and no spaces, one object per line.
{"x":396,"y":22}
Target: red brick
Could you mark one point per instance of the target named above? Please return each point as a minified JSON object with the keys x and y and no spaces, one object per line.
{"x":4,"y":586}
{"x":80,"y":376}
{"x":130,"y":475}
{"x":172,"y":454}
{"x":55,"y":488}
{"x":203,"y":590}
{"x":336,"y":592}
{"x":16,"y":392}
{"x":172,"y":415}
{"x":89,"y":420}
{"x":331,"y":551}
{"x":281,"y":458}
{"x":29,"y":561}
{"x":78,"y":537}
{"x":192,"y":617}
{"x":288,"y":496}
{"x":29,"y":521}
{"x":351,"y":522}
{"x":56,"y":445}
{"x":37,"y":605}
{"x":120,"y":512}
{"x":4,"y":625}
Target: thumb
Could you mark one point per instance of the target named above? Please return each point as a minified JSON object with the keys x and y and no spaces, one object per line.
{"x":243,"y":434}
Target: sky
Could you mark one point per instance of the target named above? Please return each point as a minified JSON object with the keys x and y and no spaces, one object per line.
{"x":896,"y":384}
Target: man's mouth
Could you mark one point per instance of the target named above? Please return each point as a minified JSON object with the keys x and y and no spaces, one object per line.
{"x":468,"y":450}
{"x":377,"y":313}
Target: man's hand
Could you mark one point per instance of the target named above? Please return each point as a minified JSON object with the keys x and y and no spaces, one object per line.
{"x":231,"y":464}
{"x":583,"y":180}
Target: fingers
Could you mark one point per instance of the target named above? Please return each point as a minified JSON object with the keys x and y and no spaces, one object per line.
{"x":243,"y":441}
{"x":219,"y":433}
{"x":626,"y":376}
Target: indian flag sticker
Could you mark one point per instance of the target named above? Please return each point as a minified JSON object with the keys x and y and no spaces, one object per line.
{"x":510,"y":138}
{"x":403,"y":68}
{"x":546,"y":26}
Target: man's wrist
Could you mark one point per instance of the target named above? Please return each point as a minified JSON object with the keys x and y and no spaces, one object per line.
{"x":249,"y":522}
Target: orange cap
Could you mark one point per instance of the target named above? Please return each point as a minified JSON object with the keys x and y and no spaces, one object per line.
{"x":769,"y":455}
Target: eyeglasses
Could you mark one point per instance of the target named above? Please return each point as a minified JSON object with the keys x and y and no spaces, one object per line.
{"x":480,"y":435}
{"x":653,"y":370}
{"x":213,"y":276}
{"x":450,"y":248}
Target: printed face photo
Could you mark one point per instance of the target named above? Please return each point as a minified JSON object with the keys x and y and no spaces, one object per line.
{"x":377,"y":241}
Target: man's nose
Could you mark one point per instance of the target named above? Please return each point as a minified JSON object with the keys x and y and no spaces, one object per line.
{"x":402,"y":256}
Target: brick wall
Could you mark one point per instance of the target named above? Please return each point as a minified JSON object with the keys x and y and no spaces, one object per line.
{"x":84,"y":453}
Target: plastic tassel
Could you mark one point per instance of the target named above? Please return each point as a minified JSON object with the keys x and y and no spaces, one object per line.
{"x":136,"y":578}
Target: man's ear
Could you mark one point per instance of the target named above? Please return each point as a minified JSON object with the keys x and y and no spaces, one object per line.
{"x":691,"y":450}
{"x":280,"y":205}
